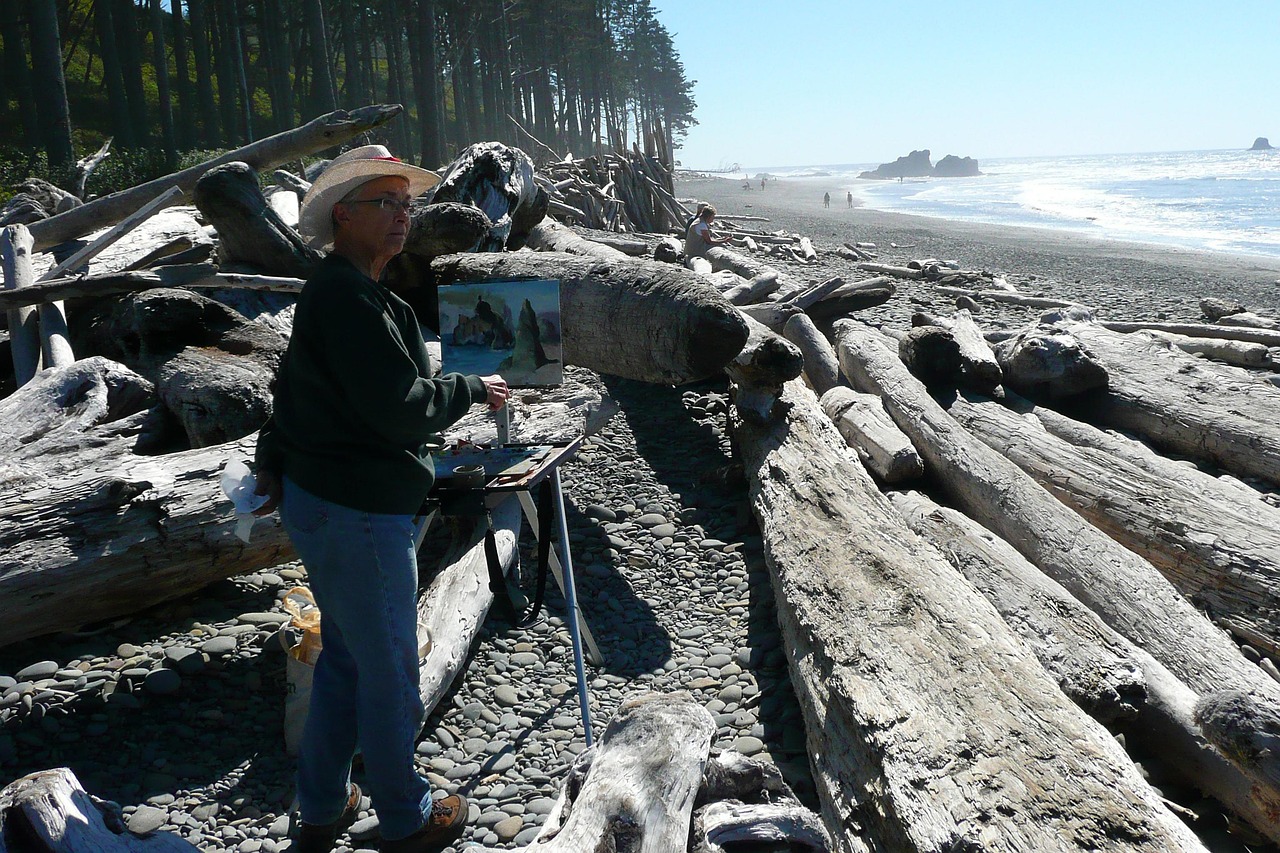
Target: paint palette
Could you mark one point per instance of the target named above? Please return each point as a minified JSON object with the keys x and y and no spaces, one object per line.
{"x":503,"y":463}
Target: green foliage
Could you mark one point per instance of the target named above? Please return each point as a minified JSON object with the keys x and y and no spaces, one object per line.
{"x":120,"y":171}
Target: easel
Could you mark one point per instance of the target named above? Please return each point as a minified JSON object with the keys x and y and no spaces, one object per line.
{"x":495,"y":492}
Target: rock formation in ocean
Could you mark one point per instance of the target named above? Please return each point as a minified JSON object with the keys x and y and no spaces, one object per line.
{"x":915,"y":165}
{"x":918,"y":165}
{"x":1261,"y":144}
{"x":952,"y":166}
{"x":527,"y":355}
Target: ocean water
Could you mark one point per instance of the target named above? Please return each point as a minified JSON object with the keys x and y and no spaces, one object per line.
{"x":1227,"y":201}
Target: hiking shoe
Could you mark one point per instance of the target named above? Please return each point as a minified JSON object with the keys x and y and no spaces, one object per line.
{"x":320,"y":837}
{"x":444,"y":826}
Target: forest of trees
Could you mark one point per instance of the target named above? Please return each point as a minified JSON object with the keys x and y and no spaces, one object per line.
{"x":177,"y":75}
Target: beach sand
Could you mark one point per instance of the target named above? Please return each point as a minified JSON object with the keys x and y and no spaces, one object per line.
{"x":1123,"y":280}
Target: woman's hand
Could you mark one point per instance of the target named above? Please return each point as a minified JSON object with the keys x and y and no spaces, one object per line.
{"x":269,"y":484}
{"x":496,"y":391}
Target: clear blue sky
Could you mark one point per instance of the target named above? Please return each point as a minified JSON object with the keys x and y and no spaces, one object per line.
{"x":809,"y":82}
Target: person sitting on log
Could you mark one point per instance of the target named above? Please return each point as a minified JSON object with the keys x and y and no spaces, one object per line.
{"x":345,"y":458}
{"x":699,"y":237}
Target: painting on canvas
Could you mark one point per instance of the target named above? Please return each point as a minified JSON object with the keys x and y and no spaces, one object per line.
{"x":506,"y":327}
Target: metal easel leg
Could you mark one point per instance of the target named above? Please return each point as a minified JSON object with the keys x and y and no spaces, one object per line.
{"x":571,"y":599}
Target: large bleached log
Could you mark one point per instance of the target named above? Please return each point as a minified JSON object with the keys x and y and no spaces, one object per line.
{"x":1112,"y":680}
{"x":89,"y":529}
{"x":750,"y":268}
{"x":445,"y":228}
{"x":458,"y":599}
{"x":754,"y":290}
{"x":1239,"y":353}
{"x":49,"y":812}
{"x":1219,"y":551}
{"x":115,"y":284}
{"x":1250,"y":320}
{"x":1046,"y":363}
{"x":550,"y":236}
{"x":950,"y":735}
{"x":23,"y":322}
{"x":643,"y":320}
{"x":766,"y":363}
{"x":1131,"y":596}
{"x":249,"y":230}
{"x":1005,"y":297}
{"x":821,"y":369}
{"x":324,"y":132}
{"x":1199,"y":330}
{"x":869,"y":430}
{"x":979,"y":369}
{"x":1207,"y":411}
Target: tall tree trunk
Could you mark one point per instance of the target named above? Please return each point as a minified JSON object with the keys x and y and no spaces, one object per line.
{"x":323,"y":99}
{"x":225,"y":72}
{"x":431,"y":98}
{"x":397,"y":90}
{"x":186,"y":125}
{"x":369,"y":94}
{"x":208,"y":108}
{"x":52,"y":112}
{"x":239,"y":63}
{"x":352,"y":89}
{"x":117,"y":102}
{"x":126,"y":26}
{"x":160,"y":62}
{"x":17,"y":73}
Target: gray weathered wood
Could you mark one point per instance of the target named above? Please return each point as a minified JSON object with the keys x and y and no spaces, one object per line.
{"x":868,"y":429}
{"x":550,"y":236}
{"x":1131,"y":596}
{"x":1107,"y":676}
{"x":324,"y":132}
{"x":950,"y":735}
{"x":24,"y":322}
{"x":766,"y":362}
{"x":250,"y":232}
{"x":1239,"y":353}
{"x":1221,"y":552}
{"x":58,"y":816}
{"x":821,"y":369}
{"x":1207,"y":411}
{"x":639,"y":319}
{"x":1199,"y":330}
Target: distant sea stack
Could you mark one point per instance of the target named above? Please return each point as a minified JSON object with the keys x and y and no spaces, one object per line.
{"x":918,"y":164}
{"x":1261,"y":144}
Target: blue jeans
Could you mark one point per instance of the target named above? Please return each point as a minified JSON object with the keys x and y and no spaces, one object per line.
{"x":363,"y":571}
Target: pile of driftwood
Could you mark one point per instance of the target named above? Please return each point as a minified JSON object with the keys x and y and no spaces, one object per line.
{"x":957,"y":666}
{"x":942,"y":644}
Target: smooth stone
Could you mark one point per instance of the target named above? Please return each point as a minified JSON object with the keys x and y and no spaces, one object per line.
{"x":146,"y":819}
{"x":263,"y":618}
{"x":508,"y":829}
{"x":663,"y":530}
{"x":162,"y":681}
{"x":219,"y":646}
{"x":651,"y":519}
{"x":36,"y":671}
{"x":600,"y":513}
{"x":185,"y":659}
{"x":748,"y":745}
{"x":364,"y":829}
{"x":504,"y":762}
{"x":540,"y":805}
{"x":525,"y":659}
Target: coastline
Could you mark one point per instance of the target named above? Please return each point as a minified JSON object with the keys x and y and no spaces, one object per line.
{"x":1142,"y":280}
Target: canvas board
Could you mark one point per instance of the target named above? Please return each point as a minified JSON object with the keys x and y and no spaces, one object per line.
{"x":511,"y":328}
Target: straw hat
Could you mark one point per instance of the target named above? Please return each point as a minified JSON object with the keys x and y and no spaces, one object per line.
{"x":346,"y":172}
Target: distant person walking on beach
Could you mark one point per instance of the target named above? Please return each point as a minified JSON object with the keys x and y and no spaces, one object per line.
{"x":699,"y":236}
{"x":849,"y":198}
{"x":826,"y":199}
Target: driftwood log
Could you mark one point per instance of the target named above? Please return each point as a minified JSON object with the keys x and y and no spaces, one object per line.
{"x":821,"y":368}
{"x":49,"y":812}
{"x":1213,"y":412}
{"x":445,"y":228}
{"x":867,"y":428}
{"x":550,"y":236}
{"x":1220,"y":551}
{"x":250,"y":231}
{"x":1131,"y":596}
{"x":23,"y":320}
{"x":1239,"y":353}
{"x":766,"y":363}
{"x":950,"y":735}
{"x":324,"y":132}
{"x":499,"y":180}
{"x":639,"y":319}
{"x":1047,"y":363}
{"x":1112,"y":680}
{"x":1198,"y":330}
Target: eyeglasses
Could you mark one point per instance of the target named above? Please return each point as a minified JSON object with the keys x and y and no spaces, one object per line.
{"x":388,"y":205}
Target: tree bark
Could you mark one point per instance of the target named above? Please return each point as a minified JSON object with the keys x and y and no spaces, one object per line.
{"x":881,"y":630}
{"x":126,"y":27}
{"x":160,"y":63}
{"x":52,"y":112}
{"x":323,"y":98}
{"x":1125,"y":590}
{"x":1219,"y":551}
{"x":1220,"y":414}
{"x":640,"y":319}
{"x":1113,"y":681}
{"x":17,"y":73}
{"x":113,"y":76}
{"x":187,"y":135}
{"x":265,"y":154}
{"x":207,"y":108}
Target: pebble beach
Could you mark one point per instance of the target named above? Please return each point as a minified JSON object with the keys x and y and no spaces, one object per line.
{"x":175,"y":715}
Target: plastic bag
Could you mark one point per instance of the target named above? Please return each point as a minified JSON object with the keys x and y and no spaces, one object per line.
{"x":300,"y":663}
{"x":238,"y":484}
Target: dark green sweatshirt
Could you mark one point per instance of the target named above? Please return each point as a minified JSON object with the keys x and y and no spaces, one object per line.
{"x":355,"y":402}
